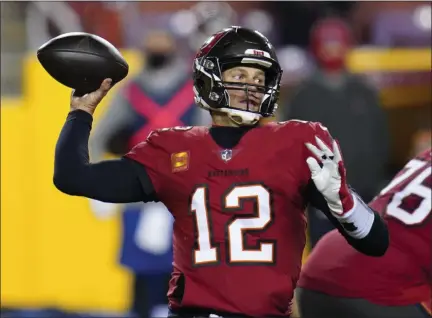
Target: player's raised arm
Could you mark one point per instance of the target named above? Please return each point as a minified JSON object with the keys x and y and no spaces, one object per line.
{"x":363,"y":228}
{"x":116,"y":181}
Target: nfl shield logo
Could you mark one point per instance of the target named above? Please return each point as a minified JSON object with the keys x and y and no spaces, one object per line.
{"x":226,"y":155}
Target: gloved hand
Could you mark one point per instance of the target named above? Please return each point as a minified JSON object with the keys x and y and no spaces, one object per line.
{"x":330,"y":177}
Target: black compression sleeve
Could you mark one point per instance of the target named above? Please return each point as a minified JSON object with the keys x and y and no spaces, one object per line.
{"x":117,"y":181}
{"x":375,"y":243}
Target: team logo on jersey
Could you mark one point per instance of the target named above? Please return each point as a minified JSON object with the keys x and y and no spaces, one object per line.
{"x":180,"y":161}
{"x":226,"y":154}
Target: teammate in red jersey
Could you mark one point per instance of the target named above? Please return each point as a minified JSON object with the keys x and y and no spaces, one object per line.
{"x":237,"y":190}
{"x":337,"y":281}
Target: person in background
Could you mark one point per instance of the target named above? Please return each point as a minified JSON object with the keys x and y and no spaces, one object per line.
{"x":331,"y":93}
{"x":144,"y":104}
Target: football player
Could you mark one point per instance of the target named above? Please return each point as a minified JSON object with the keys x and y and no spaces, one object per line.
{"x":337,"y":281}
{"x":237,"y":189}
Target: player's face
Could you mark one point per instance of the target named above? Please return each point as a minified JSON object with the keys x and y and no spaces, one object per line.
{"x":241,"y":95}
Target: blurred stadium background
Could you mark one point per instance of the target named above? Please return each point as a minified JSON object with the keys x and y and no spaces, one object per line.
{"x":57,"y":258}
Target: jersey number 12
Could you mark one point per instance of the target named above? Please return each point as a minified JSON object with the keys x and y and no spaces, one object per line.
{"x":207,"y":251}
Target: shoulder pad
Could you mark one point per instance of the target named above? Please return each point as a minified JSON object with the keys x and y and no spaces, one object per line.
{"x":303,"y":124}
{"x":167,"y":132}
{"x":293,"y":122}
{"x":306,"y":130}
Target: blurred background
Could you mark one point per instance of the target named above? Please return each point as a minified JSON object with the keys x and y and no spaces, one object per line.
{"x":363,"y":69}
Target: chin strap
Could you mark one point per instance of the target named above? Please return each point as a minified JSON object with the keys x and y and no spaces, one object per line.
{"x":239,"y":117}
{"x":242,"y":118}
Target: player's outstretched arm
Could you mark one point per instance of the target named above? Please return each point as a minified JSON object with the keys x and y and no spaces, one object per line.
{"x":116,"y":181}
{"x":374,"y":239}
{"x":361,"y":226}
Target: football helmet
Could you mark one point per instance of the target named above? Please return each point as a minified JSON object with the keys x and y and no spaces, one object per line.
{"x":228,"y":48}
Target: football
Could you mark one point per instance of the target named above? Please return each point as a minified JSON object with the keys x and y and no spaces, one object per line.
{"x":82,"y":61}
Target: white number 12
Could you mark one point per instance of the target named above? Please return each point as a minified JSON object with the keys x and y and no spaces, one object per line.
{"x":207,"y":252}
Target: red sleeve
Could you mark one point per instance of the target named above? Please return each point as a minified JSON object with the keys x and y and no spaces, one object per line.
{"x":152,"y":154}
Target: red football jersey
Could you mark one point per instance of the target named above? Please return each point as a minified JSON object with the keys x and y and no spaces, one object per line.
{"x":403,"y":276}
{"x":239,"y":229}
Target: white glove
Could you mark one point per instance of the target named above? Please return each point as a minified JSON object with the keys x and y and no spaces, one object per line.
{"x":330,"y":179}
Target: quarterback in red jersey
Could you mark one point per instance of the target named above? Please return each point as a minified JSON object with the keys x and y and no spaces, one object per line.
{"x":337,"y":279}
{"x":237,"y":190}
